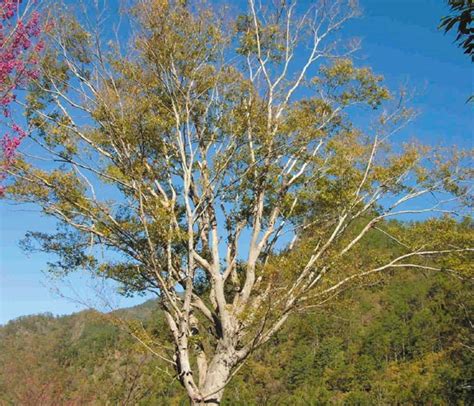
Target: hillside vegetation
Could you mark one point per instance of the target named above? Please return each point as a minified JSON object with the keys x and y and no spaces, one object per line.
{"x":405,"y":340}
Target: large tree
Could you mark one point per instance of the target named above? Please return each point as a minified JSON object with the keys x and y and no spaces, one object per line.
{"x":230,"y":166}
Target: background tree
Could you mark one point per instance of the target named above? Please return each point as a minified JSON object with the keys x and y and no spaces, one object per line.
{"x":461,"y":18}
{"x":20,"y":30}
{"x":215,"y":163}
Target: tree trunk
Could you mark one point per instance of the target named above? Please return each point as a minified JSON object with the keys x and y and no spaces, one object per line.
{"x":216,"y":378}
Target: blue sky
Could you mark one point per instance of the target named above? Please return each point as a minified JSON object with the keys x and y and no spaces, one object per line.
{"x":400,"y":41}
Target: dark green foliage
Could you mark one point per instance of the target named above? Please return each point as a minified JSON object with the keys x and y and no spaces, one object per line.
{"x":462,"y":12}
{"x":406,"y":340}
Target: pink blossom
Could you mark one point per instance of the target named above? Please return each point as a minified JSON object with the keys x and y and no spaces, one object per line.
{"x":19,"y":44}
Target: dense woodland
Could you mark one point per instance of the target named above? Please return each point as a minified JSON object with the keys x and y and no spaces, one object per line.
{"x":405,"y":339}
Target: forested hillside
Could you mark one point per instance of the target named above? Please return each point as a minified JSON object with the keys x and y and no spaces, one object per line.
{"x":404,"y":340}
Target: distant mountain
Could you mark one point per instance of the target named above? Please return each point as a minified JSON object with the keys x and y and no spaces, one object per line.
{"x":141,"y":312}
